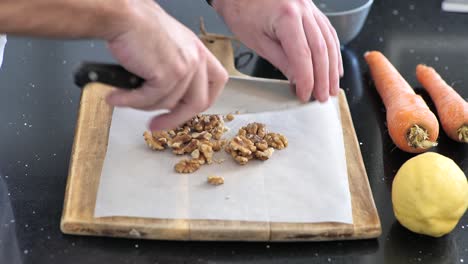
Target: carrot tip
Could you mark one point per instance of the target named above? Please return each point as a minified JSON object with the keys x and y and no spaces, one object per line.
{"x":418,"y":137}
{"x":463,"y":133}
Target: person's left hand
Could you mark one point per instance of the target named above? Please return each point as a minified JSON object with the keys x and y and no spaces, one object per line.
{"x":295,"y":36}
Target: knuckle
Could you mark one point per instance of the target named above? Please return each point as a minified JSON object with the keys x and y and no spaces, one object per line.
{"x":321,"y":46}
{"x":180,"y":70}
{"x":289,"y":9}
{"x":304,"y":2}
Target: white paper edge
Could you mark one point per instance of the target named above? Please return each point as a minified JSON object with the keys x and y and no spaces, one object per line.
{"x":3,"y":41}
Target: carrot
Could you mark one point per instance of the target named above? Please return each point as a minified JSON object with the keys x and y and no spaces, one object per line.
{"x":412,"y":126}
{"x":452,"y":109}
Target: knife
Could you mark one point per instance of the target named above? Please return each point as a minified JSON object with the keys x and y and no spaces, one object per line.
{"x":242,"y":94}
{"x":107,"y":73}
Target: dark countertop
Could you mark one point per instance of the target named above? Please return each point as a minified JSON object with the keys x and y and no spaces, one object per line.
{"x":38,"y":109}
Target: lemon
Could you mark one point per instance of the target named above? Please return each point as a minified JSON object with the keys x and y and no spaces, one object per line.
{"x":430,"y":194}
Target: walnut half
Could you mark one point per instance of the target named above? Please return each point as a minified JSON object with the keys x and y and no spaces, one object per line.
{"x":187,"y":166}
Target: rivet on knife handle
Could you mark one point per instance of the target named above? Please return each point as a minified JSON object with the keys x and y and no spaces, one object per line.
{"x":110,"y":74}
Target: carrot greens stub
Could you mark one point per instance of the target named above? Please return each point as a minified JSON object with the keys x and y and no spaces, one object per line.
{"x":419,"y":138}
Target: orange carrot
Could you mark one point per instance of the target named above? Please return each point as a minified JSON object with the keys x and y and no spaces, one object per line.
{"x":412,"y":126}
{"x":452,"y":109}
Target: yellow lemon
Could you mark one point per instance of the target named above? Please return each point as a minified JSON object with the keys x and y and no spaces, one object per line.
{"x":430,"y":194}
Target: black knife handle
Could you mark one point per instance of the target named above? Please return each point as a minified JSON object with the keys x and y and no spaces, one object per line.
{"x":107,"y":73}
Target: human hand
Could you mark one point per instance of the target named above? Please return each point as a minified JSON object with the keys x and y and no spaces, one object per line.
{"x":181,"y":74}
{"x":295,"y":36}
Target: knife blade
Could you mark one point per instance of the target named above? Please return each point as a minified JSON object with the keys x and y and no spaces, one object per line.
{"x":242,"y":94}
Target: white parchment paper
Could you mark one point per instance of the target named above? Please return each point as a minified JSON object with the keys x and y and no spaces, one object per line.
{"x":306,"y":182}
{"x":3,"y":41}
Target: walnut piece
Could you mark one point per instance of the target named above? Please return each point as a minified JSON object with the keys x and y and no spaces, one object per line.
{"x":187,"y":166}
{"x":152,"y":142}
{"x":161,"y":136}
{"x":195,"y":154}
{"x":254,"y":141}
{"x":276,"y":140}
{"x":241,"y":149}
{"x":203,"y":135}
{"x":215,"y":180}
{"x":242,"y":145}
{"x":229,"y":117}
{"x":207,"y":151}
{"x":217,"y":145}
{"x":188,"y":148}
{"x":265,"y":154}
{"x":259,"y":142}
{"x":241,"y":160}
{"x":254,"y":129}
{"x":179,"y":140}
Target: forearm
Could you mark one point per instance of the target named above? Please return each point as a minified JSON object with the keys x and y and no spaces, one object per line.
{"x":64,"y":18}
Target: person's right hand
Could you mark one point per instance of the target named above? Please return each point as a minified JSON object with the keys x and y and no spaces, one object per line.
{"x":181,"y":74}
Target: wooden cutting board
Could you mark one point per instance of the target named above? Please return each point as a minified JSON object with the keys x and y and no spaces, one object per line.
{"x":87,"y":158}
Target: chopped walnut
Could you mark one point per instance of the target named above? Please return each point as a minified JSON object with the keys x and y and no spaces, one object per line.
{"x":207,"y":152}
{"x":161,"y":136}
{"x":218,"y":133}
{"x":215,"y":180}
{"x":229,"y":117}
{"x":254,"y":129}
{"x":171,"y":133}
{"x":242,"y":144}
{"x":203,"y":135}
{"x":241,"y":149}
{"x":187,"y":166}
{"x":265,"y":154}
{"x":201,"y":160}
{"x":152,"y":142}
{"x":195,"y":154}
{"x":276,"y":140}
{"x":218,"y":145}
{"x":188,"y":148}
{"x":198,"y":127}
{"x":259,"y":142}
{"x":241,"y":160}
{"x":179,"y":140}
{"x":242,"y":132}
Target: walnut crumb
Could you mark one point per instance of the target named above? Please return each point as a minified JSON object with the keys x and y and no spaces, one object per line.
{"x":215,"y":180}
{"x":229,"y":117}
